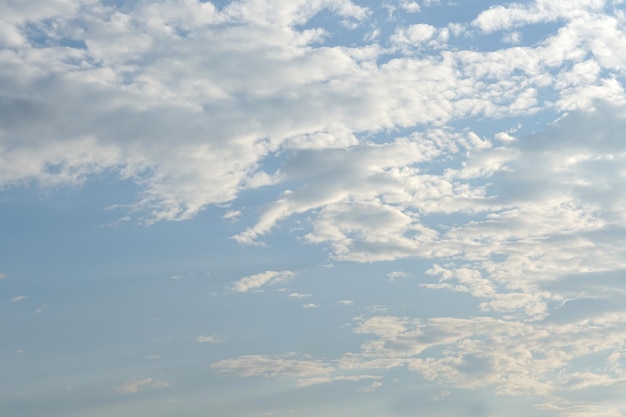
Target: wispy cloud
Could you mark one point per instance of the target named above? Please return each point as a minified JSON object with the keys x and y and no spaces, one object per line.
{"x":136,"y":384}
{"x":258,"y":280}
{"x":208,"y":339}
{"x":299,"y":295}
{"x":392,"y":276}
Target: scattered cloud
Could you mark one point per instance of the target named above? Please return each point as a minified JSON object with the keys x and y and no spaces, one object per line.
{"x":285,"y":367}
{"x":366,"y":146}
{"x":304,"y":372}
{"x":19,"y":298}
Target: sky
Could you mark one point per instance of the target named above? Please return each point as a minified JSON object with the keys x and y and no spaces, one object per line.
{"x":307,"y":208}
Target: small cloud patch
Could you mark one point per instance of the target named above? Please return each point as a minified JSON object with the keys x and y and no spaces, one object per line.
{"x":140,"y":383}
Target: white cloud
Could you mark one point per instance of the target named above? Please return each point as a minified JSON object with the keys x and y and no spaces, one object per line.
{"x":513,"y":37}
{"x":410,"y":6}
{"x":392,"y":276}
{"x":413,"y":34}
{"x":3,"y":276}
{"x":232,"y":215}
{"x":511,"y":357}
{"x":258,"y":280}
{"x":519,"y":14}
{"x":130,"y":72}
{"x":195,"y":105}
{"x":309,"y":306}
{"x":19,"y":298}
{"x":299,"y":295}
{"x":136,"y":384}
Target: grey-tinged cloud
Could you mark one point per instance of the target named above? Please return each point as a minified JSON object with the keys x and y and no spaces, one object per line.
{"x":198,"y":134}
{"x":511,"y":357}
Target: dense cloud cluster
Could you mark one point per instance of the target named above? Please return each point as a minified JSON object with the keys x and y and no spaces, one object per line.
{"x":503,"y":166}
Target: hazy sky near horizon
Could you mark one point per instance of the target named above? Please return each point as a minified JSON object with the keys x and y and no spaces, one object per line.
{"x":307,"y":208}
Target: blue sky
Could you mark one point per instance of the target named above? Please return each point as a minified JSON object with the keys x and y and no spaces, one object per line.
{"x":312,"y":208}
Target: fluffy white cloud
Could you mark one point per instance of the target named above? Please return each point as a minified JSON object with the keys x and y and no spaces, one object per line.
{"x":520,"y":14}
